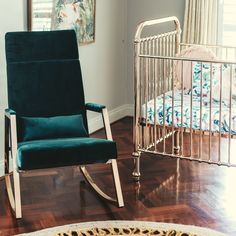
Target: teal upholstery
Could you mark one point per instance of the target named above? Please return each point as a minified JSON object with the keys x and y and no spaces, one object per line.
{"x":46,"y":88}
{"x":94,"y":107}
{"x":64,"y":152}
{"x":34,"y":128}
{"x":43,"y":75}
{"x":44,"y":82}
{"x":41,"y":46}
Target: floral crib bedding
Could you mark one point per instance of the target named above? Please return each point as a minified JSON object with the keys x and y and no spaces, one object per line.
{"x":202,"y":73}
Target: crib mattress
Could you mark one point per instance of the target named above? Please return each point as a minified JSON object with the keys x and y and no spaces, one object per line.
{"x":164,"y":111}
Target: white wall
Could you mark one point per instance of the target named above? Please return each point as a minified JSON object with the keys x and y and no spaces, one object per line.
{"x":107,"y":64}
{"x":11,"y":19}
{"x":103,"y":61}
{"x":141,"y":10}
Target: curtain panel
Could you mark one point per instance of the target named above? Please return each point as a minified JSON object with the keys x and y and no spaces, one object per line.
{"x":201,"y":21}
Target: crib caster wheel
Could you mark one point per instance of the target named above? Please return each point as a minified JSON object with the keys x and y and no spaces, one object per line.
{"x":136,"y":172}
{"x":177,"y":150}
{"x":136,"y":176}
{"x":136,"y":154}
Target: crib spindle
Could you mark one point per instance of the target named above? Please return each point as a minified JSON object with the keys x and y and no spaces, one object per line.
{"x":191,"y":113}
{"x":182,"y":107}
{"x":210,"y":112}
{"x":164,"y":109}
{"x":173,"y":118}
{"x":230,"y":113}
{"x":220,"y":114}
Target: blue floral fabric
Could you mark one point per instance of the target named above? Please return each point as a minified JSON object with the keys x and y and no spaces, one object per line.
{"x":205,"y":112}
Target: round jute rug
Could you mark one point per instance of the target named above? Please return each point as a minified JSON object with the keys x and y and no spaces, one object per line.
{"x":104,"y":228}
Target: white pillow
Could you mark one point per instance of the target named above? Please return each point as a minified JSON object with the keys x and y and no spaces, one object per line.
{"x":183,"y":68}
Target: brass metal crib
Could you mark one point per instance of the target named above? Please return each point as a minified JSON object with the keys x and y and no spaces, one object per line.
{"x":175,"y":120}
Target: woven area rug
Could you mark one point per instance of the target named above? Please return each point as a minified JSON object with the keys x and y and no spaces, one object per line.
{"x":104,"y":228}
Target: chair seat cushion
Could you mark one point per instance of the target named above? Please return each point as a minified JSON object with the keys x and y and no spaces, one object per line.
{"x":50,"y":153}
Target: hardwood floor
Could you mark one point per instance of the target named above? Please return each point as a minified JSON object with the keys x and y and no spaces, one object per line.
{"x":201,"y":194}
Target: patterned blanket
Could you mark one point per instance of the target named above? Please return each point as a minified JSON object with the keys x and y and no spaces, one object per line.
{"x":200,"y":114}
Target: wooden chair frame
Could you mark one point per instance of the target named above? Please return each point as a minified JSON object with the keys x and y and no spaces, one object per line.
{"x":14,"y":193}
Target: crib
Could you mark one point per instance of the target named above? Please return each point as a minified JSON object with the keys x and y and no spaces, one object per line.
{"x":185,"y":97}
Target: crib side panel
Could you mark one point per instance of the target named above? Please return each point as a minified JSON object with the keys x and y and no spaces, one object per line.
{"x":192,"y":117}
{"x":152,"y":77}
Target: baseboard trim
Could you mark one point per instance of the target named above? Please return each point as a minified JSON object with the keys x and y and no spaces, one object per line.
{"x":1,"y":168}
{"x":118,"y":113}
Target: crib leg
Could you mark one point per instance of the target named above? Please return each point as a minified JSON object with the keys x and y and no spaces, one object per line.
{"x":176,"y":144}
{"x":136,"y":172}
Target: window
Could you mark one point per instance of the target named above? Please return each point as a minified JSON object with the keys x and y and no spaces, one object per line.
{"x":227,"y":21}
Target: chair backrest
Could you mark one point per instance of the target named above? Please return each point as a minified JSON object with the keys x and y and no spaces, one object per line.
{"x":44,"y":75}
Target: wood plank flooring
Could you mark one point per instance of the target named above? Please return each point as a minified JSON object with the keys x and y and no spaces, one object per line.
{"x":201,"y":194}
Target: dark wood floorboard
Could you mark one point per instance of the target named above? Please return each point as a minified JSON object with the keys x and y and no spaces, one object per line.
{"x":202,"y":194}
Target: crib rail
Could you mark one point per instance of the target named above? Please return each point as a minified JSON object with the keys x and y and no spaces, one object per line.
{"x":174,"y":115}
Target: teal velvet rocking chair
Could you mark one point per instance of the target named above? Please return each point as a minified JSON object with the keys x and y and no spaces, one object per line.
{"x":46,"y":122}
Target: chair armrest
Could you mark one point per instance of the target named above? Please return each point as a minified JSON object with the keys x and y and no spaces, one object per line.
{"x":11,"y":133}
{"x":9,"y":112}
{"x":101,"y":109}
{"x":94,"y":107}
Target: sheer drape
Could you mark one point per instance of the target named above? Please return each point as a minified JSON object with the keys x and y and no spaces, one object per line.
{"x":200,"y":21}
